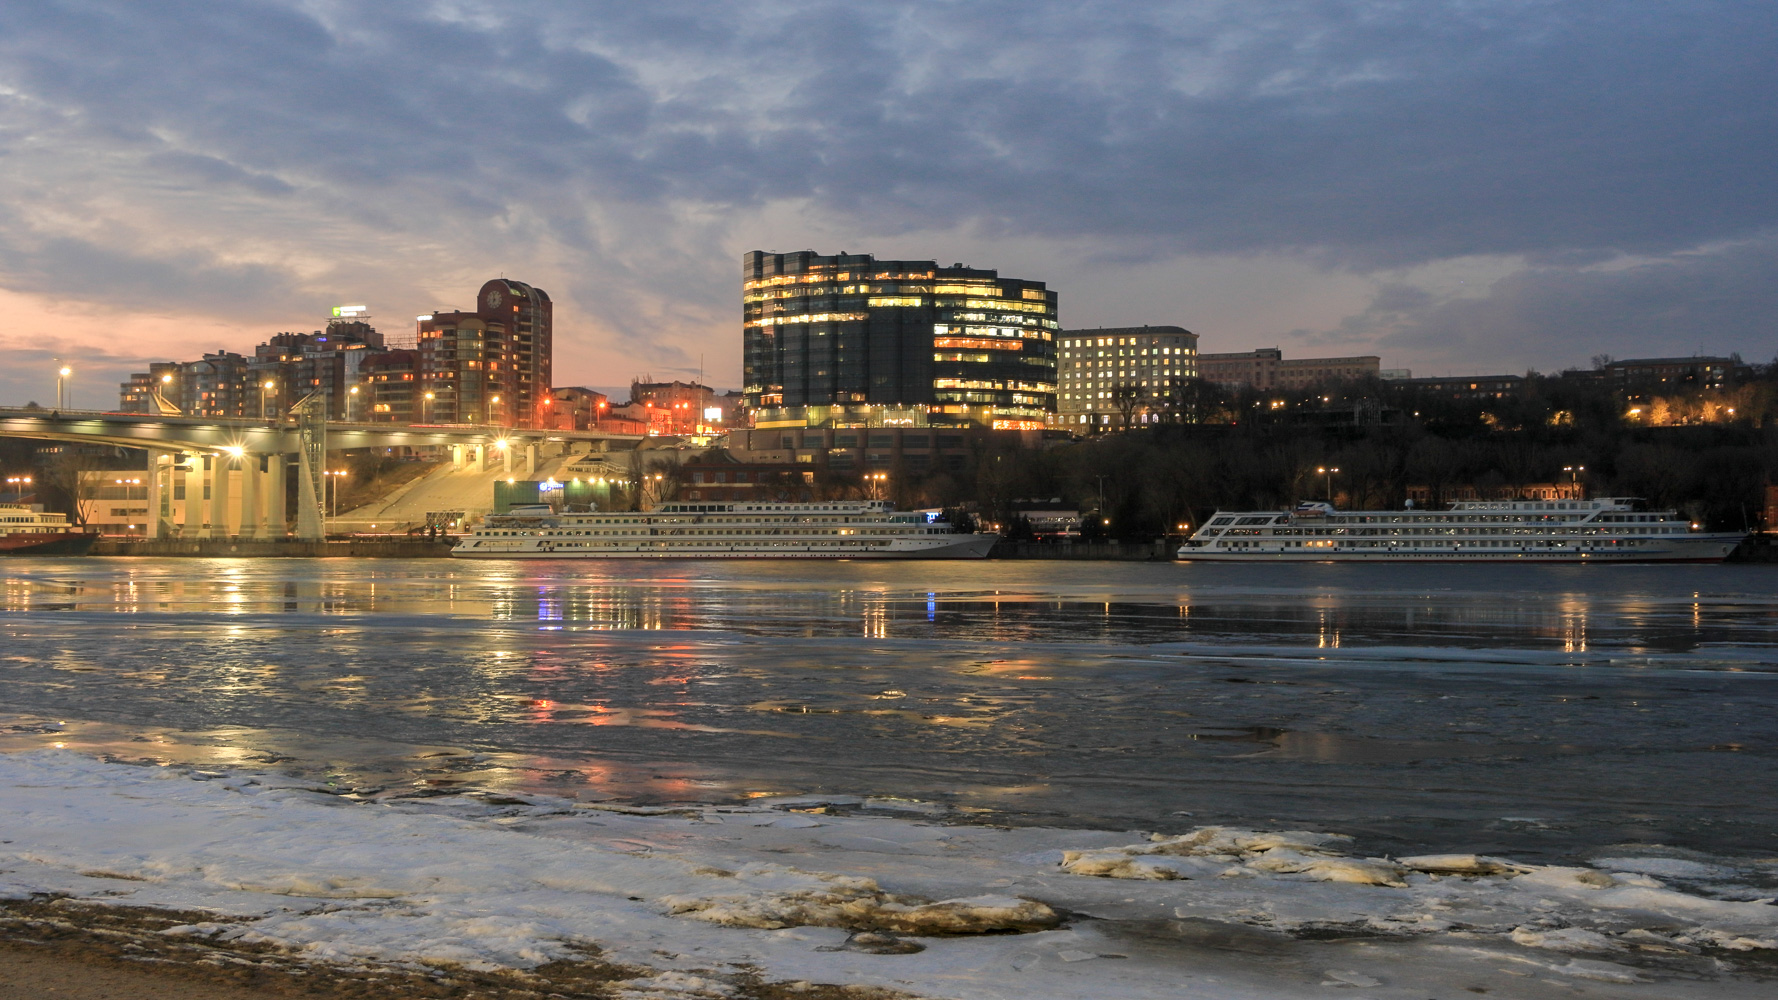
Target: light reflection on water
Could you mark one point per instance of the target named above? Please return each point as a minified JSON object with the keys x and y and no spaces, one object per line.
{"x":1419,"y":702}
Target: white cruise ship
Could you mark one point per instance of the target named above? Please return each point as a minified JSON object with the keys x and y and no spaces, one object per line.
{"x":842,"y":529}
{"x":1603,"y":530}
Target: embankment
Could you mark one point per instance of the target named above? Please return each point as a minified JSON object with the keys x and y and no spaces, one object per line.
{"x":225,"y":548}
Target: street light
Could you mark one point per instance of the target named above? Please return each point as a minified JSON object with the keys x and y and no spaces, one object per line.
{"x":1574,"y":472}
{"x":350,"y":394}
{"x":426,"y":409}
{"x":1328,"y":471}
{"x":264,"y":387}
{"x":62,"y":374}
{"x":333,"y":488}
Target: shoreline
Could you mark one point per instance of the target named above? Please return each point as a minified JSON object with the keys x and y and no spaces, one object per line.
{"x":1755,"y":549}
{"x":83,"y":950}
{"x":273,"y":887}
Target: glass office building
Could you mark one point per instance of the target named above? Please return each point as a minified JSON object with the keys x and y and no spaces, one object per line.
{"x":849,"y":339}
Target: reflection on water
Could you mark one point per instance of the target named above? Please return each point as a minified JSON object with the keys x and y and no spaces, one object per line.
{"x":1517,"y":607}
{"x":1423,"y":701}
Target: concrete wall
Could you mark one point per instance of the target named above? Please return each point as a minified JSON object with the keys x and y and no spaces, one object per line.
{"x":1135,"y":551}
{"x":393,"y":548}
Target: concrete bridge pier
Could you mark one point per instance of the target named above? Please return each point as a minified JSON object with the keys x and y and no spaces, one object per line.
{"x":219,"y":483}
{"x":481,"y":457}
{"x":252,"y":481}
{"x":506,"y":458}
{"x":275,"y":502}
{"x":531,"y":460}
{"x":456,"y":458}
{"x":192,"y":477}
{"x":156,"y":526}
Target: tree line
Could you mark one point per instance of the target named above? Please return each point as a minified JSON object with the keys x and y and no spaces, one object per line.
{"x":1708,"y":451}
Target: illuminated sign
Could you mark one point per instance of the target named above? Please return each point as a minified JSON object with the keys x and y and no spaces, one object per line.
{"x":350,"y":312}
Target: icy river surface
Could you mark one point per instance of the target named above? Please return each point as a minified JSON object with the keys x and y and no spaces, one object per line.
{"x":983,"y":781}
{"x":1543,"y":711}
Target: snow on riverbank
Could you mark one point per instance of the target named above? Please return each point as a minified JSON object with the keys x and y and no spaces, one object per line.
{"x":858,"y":892}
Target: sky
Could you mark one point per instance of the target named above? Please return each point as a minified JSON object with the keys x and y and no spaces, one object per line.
{"x":1459,"y":187}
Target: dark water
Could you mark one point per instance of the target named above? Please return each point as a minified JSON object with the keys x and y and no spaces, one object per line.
{"x":1538,"y":709}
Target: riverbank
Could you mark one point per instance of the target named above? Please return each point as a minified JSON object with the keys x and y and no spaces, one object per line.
{"x":1761,"y":548}
{"x":1161,"y":551}
{"x":280,"y":885}
{"x":82,"y":950}
{"x":241,"y":548}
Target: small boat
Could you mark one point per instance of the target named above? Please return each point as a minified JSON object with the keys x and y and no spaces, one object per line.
{"x":27,"y":531}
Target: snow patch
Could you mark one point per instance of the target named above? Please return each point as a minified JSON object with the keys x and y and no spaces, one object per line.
{"x":822,"y":900}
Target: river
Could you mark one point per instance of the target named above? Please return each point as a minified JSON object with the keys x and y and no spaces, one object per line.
{"x":1540,"y":710}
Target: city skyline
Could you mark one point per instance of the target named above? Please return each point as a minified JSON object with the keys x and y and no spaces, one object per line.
{"x":1490,"y":187}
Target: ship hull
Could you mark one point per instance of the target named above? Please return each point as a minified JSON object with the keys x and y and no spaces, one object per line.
{"x":72,"y":543}
{"x":974,"y":546}
{"x":1702,"y":548}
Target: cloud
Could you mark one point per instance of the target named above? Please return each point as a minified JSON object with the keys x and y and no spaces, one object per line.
{"x":255,"y":160}
{"x":1554,"y":315}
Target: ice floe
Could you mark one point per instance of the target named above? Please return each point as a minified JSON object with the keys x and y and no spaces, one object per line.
{"x":699,"y":898}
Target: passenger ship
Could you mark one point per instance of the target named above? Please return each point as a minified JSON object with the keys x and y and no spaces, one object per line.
{"x":25,"y":531}
{"x":857,"y":529}
{"x":1603,"y":530}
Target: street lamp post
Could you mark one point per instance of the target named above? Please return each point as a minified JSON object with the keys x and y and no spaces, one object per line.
{"x":265,"y":389}
{"x":426,"y":408}
{"x":62,"y":374}
{"x":351,"y":394}
{"x":1574,"y":472}
{"x":1328,"y":471}
{"x":333,"y":492}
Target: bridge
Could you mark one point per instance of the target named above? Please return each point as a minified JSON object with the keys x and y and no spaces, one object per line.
{"x":199,"y":461}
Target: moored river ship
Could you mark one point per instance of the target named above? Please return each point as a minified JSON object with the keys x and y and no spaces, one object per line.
{"x":842,"y":529}
{"x":25,"y":531}
{"x":1611,"y":529}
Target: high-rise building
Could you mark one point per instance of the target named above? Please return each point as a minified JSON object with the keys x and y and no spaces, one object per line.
{"x":163,"y":379}
{"x":1106,"y":371}
{"x":849,"y":339}
{"x":325,"y":362}
{"x":491,"y":365}
{"x":391,"y":381}
{"x":221,"y":384}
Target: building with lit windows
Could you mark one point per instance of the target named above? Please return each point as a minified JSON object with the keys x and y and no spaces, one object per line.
{"x":390,"y":387}
{"x":220,"y":384}
{"x":151,"y":391}
{"x":1267,"y":368}
{"x":491,"y":365}
{"x":683,"y":408}
{"x":849,"y":340}
{"x":1097,"y":366}
{"x":324,"y":363}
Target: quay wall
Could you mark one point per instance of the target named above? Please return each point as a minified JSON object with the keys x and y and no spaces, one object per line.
{"x":1128,"y":551}
{"x":233,"y":548}
{"x":1761,"y":548}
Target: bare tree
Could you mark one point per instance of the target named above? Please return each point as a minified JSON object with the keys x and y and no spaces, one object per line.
{"x":1128,"y":398}
{"x":68,"y":475}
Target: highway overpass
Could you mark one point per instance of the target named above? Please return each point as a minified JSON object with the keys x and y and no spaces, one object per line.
{"x":202,"y":461}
